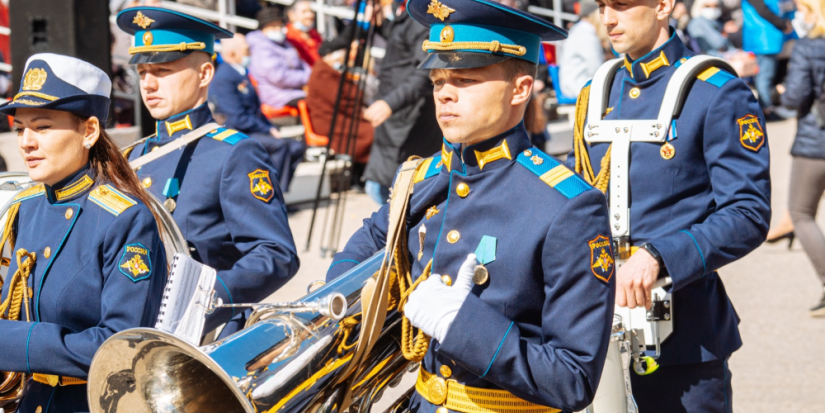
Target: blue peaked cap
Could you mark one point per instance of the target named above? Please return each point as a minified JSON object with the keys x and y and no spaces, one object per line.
{"x":57,"y":82}
{"x":163,"y":35}
{"x":476,"y":33}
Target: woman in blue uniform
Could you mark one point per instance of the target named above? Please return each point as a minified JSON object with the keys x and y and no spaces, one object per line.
{"x":86,"y":260}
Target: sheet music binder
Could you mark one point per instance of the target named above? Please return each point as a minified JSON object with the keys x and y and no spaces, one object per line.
{"x":185,"y":299}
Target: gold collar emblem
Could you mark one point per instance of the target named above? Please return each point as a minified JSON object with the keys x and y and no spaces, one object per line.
{"x":34,"y":80}
{"x":499,"y":152}
{"x":446,"y":156}
{"x":176,"y":126}
{"x":439,"y":10}
{"x":142,"y":21}
{"x":432,"y":211}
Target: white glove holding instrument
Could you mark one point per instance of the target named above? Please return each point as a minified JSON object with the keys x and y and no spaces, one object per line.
{"x":433,"y":305}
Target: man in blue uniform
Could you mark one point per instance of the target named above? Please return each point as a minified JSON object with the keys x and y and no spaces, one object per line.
{"x":527,"y":319}
{"x":222,"y":189}
{"x":698,"y":188}
{"x":233,"y":96}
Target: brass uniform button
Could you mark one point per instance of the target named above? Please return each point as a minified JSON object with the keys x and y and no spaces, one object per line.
{"x":446,"y":371}
{"x":438,"y":390}
{"x":147,"y":182}
{"x":528,"y":152}
{"x":447,"y":280}
{"x":439,"y":410}
{"x":47,"y":252}
{"x":155,"y":148}
{"x":453,"y":236}
{"x":69,"y":213}
{"x":635,"y":92}
{"x":462,"y":190}
{"x":39,"y":409}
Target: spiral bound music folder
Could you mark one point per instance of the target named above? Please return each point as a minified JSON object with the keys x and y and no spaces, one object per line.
{"x":185,"y":299}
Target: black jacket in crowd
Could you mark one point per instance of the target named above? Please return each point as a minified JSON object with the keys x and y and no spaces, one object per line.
{"x":412,"y":129}
{"x":806,"y":75}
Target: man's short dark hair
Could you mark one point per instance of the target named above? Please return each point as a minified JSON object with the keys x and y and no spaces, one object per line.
{"x":514,"y":68}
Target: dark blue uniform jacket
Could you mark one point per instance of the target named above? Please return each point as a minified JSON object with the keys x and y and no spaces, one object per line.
{"x":99,"y":268}
{"x":539,"y":327}
{"x":233,"y":96}
{"x":229,"y":207}
{"x":707,"y":206}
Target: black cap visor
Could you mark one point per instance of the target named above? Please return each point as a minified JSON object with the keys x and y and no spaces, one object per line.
{"x":158,"y":57}
{"x":460,"y":60}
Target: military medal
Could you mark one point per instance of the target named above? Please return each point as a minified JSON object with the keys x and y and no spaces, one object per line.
{"x":667,"y":151}
{"x":480,"y":275}
{"x":170,"y":204}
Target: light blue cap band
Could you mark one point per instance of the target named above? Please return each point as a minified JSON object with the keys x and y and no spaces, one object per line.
{"x":481,"y":33}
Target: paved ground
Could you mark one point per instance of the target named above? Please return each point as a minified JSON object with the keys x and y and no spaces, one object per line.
{"x":781,"y":366}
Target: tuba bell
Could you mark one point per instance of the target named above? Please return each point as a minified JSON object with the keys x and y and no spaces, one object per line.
{"x":290,"y":357}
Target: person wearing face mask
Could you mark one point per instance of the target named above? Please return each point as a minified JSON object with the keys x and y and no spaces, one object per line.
{"x":706,"y":29}
{"x":300,"y":31}
{"x":803,"y":91}
{"x":274,"y":62}
{"x":233,"y":99}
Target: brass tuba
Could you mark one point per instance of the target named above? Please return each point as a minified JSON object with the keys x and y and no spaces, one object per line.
{"x":289,"y":357}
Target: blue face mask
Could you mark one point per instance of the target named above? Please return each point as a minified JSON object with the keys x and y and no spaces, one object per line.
{"x":302,"y":27}
{"x":245,"y":61}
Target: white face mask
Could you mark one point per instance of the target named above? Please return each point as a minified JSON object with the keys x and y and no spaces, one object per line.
{"x":245,"y":61}
{"x":799,"y":24}
{"x":300,"y":26}
{"x":277,"y":36}
{"x":711,"y":13}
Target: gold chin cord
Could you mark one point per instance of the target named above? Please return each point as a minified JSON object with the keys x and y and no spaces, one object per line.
{"x":580,"y":148}
{"x":12,"y":384}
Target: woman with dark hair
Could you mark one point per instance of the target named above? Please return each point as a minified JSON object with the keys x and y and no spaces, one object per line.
{"x":87,"y":259}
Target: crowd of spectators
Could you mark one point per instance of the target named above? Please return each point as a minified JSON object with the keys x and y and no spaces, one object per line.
{"x":288,"y":61}
{"x":755,"y":36}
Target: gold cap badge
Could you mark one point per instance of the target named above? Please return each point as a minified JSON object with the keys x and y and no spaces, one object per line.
{"x":142,"y":21}
{"x":439,"y":10}
{"x":34,"y":80}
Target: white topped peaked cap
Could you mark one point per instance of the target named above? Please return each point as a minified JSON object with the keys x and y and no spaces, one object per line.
{"x":57,"y":82}
{"x":82,"y":74}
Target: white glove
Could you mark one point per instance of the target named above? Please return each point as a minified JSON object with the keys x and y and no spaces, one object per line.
{"x":433,"y":305}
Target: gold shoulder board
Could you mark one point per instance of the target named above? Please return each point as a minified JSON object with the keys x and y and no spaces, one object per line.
{"x":110,"y":199}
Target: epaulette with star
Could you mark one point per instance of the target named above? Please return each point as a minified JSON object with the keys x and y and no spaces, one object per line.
{"x":552,"y":172}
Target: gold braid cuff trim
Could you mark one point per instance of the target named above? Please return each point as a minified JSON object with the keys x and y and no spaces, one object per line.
{"x":493,"y":46}
{"x":182,"y":47}
{"x":35,"y":94}
{"x":466,"y":399}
